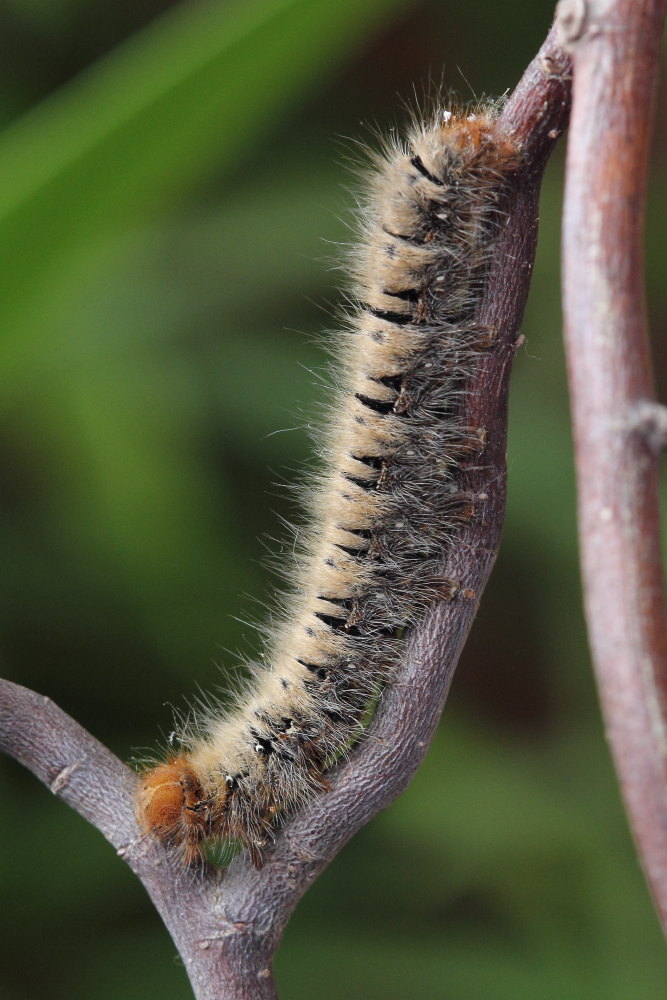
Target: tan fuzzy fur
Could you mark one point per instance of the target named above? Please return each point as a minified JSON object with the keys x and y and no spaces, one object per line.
{"x":386,"y":509}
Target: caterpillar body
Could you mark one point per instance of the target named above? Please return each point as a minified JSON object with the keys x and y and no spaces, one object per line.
{"x":384,"y":511}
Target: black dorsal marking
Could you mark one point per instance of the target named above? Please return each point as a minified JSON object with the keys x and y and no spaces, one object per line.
{"x":333,"y":621}
{"x":359,"y":532}
{"x":372,"y":461}
{"x":315,"y":668}
{"x":365,"y":484}
{"x":350,"y":551}
{"x":261,"y":744}
{"x":418,"y":164}
{"x":402,"y":236}
{"x":394,"y":382}
{"x":382,"y":406}
{"x":398,"y":319}
{"x":340,"y":602}
{"x":406,"y":294}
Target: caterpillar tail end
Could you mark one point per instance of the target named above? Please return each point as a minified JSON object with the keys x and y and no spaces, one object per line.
{"x":173,"y":808}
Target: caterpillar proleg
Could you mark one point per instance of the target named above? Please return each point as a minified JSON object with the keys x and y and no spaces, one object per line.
{"x":385,"y":509}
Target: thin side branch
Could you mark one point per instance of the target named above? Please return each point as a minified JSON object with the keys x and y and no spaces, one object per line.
{"x":618,"y":427}
{"x":227,"y":925}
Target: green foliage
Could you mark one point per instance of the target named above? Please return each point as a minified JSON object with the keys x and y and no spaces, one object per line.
{"x":163,"y":202}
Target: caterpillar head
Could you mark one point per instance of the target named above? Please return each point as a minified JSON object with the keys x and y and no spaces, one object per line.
{"x":172,"y":806}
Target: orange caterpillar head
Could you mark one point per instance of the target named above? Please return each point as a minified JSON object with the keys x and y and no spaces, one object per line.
{"x":171,"y":806}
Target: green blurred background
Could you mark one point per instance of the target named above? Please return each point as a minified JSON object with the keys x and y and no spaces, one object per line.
{"x":172,"y":180}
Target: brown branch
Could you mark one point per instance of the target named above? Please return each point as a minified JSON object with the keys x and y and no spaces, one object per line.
{"x":618,"y":427}
{"x":228,"y":925}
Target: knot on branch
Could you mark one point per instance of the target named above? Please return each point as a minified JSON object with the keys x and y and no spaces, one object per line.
{"x":572,"y":20}
{"x":649,"y":420}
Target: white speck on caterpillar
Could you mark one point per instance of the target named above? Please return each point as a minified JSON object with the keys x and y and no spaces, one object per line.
{"x":387,"y":507}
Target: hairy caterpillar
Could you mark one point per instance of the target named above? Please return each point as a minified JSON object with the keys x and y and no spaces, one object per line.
{"x":384,"y":510}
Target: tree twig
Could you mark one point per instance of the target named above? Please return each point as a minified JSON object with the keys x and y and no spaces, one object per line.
{"x":227,"y":925}
{"x":618,"y":427}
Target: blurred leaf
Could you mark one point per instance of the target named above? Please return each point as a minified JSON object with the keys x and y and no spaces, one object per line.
{"x":186,"y":94}
{"x":45,"y":14}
